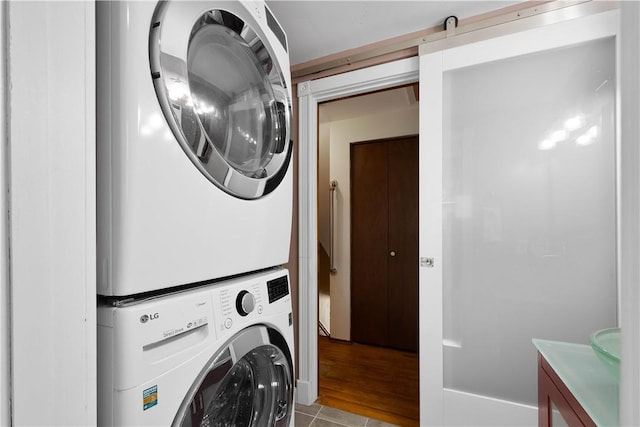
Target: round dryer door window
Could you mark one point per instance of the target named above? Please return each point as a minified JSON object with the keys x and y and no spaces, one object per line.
{"x":224,"y":95}
{"x":254,"y":390}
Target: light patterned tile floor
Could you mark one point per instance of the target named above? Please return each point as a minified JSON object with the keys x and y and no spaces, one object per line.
{"x":323,"y":416}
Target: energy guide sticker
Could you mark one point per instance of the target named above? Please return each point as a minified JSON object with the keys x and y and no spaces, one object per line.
{"x":150,"y":397}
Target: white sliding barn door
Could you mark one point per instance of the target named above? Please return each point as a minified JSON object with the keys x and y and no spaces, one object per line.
{"x":518,"y":187}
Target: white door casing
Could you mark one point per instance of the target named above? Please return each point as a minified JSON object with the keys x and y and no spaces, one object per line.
{"x":310,"y":93}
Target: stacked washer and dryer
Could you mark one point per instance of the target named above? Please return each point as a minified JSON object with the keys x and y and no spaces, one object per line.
{"x":194,"y":215}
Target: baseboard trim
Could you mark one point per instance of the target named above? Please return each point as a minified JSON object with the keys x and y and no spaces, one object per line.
{"x":304,"y":393}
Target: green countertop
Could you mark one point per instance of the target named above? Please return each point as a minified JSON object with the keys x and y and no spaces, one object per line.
{"x":586,"y":377}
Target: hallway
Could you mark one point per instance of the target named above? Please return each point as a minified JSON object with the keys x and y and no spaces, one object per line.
{"x":371,"y":381}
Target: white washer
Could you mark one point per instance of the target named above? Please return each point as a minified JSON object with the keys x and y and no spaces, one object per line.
{"x":194,"y":149}
{"x":221,"y":355}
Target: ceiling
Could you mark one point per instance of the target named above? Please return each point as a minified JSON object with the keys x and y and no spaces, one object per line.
{"x":319,"y":28}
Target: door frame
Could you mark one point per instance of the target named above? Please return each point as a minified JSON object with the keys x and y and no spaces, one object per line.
{"x":310,"y":94}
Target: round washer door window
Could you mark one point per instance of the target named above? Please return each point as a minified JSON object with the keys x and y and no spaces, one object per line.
{"x":254,"y":391}
{"x":226,"y":101}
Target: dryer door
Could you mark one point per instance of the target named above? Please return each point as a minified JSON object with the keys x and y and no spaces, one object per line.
{"x":223,"y":93}
{"x":247,"y":383}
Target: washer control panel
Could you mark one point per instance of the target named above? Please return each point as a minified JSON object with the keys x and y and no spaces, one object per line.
{"x":240,"y":304}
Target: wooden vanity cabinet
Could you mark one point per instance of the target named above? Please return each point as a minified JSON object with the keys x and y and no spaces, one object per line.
{"x":553,"y":393}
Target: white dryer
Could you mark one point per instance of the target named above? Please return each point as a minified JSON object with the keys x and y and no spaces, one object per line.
{"x":221,"y":355}
{"x":194,"y":146}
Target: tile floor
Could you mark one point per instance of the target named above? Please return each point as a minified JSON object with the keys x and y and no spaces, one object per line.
{"x":323,"y":416}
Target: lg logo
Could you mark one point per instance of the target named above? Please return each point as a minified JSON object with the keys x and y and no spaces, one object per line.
{"x":146,"y":317}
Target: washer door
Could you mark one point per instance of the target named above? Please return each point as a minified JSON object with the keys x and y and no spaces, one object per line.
{"x":247,"y":383}
{"x":223,"y":94}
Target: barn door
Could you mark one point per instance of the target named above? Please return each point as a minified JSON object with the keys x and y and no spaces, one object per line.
{"x":517,"y":200}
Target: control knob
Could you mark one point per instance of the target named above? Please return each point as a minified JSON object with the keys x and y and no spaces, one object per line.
{"x":245,"y":303}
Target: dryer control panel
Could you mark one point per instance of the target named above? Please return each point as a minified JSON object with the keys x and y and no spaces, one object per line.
{"x":249,"y":300}
{"x":278,"y":288}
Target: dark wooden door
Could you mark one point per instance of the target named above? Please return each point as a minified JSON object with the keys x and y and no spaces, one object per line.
{"x":384,"y":243}
{"x":369,"y":243}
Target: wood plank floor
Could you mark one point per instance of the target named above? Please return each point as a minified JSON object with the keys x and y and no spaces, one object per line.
{"x":371,"y":381}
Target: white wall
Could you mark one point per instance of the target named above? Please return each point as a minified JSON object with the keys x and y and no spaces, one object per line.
{"x":51,"y":128}
{"x":378,"y":126}
{"x":324,"y":179}
{"x":630,"y":214}
{"x":5,"y":408}
{"x":324,"y":219}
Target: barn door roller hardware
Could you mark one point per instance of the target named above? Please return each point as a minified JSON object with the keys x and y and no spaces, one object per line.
{"x":450,"y":25}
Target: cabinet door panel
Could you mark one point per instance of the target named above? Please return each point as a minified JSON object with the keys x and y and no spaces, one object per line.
{"x":403,"y":241}
{"x":369,"y":242}
{"x":384,"y":243}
